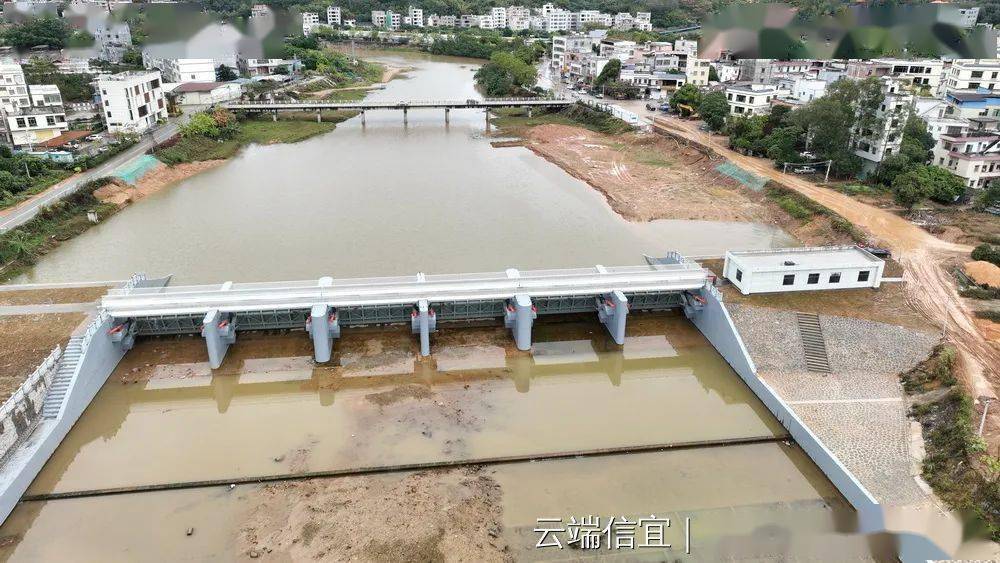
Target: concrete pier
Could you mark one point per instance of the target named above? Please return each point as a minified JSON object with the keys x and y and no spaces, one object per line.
{"x":612,"y":310}
{"x":424,"y":323}
{"x":519,"y":317}
{"x":323,"y":328}
{"x":219,"y":333}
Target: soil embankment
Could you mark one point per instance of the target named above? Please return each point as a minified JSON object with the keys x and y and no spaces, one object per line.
{"x":121,"y":193}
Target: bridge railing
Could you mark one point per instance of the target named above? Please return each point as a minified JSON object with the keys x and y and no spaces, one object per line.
{"x":395,"y":103}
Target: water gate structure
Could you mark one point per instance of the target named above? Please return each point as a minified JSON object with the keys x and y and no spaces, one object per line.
{"x":325,"y":306}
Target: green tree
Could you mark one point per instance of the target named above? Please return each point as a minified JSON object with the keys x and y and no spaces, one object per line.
{"x":687,"y":95}
{"x":610,"y":73}
{"x":73,"y":87}
{"x":908,"y":189}
{"x":713,"y":75}
{"x":201,"y":124}
{"x":224,"y":74}
{"x":713,"y":110}
{"x":923,"y":181}
{"x":987,"y":253}
{"x":990,"y":196}
{"x":505,"y":74}
{"x":46,"y":30}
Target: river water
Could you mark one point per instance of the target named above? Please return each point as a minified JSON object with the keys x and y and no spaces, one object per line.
{"x":383,"y":198}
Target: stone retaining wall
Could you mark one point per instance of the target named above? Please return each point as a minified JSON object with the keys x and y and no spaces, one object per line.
{"x":19,"y":415}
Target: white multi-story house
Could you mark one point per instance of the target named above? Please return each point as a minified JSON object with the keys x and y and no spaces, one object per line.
{"x":697,"y":71}
{"x":264,"y":67}
{"x":112,"y":40}
{"x":499,"y":16}
{"x":973,"y":74}
{"x":563,"y":45}
{"x":416,"y":16}
{"x":557,"y":20}
{"x":259,"y":11}
{"x":74,"y":66}
{"x":181,"y":70}
{"x":967,"y":17}
{"x":387,"y":19}
{"x":727,"y":71}
{"x":624,"y":21}
{"x":333,"y":15}
{"x":752,"y":99}
{"x":448,"y":21}
{"x":518,"y":23}
{"x":131,"y":101}
{"x":971,"y":152}
{"x":309,"y":20}
{"x":642,"y":21}
{"x":873,"y":145}
{"x":611,"y":48}
{"x":30,"y":114}
{"x":378,"y":18}
{"x":925,"y":73}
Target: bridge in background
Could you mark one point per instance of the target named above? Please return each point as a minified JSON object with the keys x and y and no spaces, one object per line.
{"x":403,"y":105}
{"x":326,"y":305}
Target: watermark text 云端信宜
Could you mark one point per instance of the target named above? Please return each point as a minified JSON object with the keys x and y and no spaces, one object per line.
{"x":613,"y":533}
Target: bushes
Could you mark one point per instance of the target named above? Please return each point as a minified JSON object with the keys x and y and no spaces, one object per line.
{"x":596,"y":120}
{"x":987,"y":253}
{"x":794,"y":204}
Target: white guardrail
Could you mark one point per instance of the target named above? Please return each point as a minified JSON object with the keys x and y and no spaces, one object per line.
{"x":47,"y":367}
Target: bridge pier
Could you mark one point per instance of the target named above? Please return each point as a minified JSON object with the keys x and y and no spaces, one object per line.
{"x":447,"y":113}
{"x":529,"y":112}
{"x":319,"y":116}
{"x":519,"y":316}
{"x":362,"y":118}
{"x":424,"y":322}
{"x":323,"y":326}
{"x":274,"y":116}
{"x":219,"y":332}
{"x":612,"y":308}
{"x":404,"y":116}
{"x":487,"y":120}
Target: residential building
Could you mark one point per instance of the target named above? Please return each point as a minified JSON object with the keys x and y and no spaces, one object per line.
{"x":624,"y":21}
{"x":974,"y":74}
{"x":557,"y":20}
{"x":925,"y":74}
{"x":752,"y":99}
{"x":259,"y":11}
{"x":333,"y":15}
{"x":112,"y":40}
{"x":206,"y":93}
{"x":874,"y":144}
{"x":565,"y":44}
{"x":697,"y":71}
{"x":181,"y":70}
{"x":448,"y":21}
{"x":131,"y":101}
{"x":971,"y":151}
{"x":727,"y":71}
{"x":642,"y":21}
{"x":802,"y":269}
{"x":387,"y":19}
{"x":30,"y":114}
{"x":611,"y":48}
{"x":654,"y":84}
{"x":416,"y":16}
{"x":967,"y":17}
{"x":309,"y":20}
{"x":74,"y":66}
{"x":754,"y":70}
{"x":499,"y":15}
{"x":254,"y":68}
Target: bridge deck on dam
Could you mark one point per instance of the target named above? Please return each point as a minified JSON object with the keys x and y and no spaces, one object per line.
{"x":489,"y":103}
{"x":325,"y":305}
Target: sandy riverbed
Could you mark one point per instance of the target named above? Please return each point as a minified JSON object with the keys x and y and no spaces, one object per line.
{"x":121,"y":194}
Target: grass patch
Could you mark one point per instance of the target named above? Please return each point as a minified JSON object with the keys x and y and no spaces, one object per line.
{"x":976,"y":292}
{"x":577,"y":115}
{"x":855,"y":189}
{"x":798,"y":206}
{"x":955,"y":466}
{"x":292,"y":128}
{"x":21,"y":247}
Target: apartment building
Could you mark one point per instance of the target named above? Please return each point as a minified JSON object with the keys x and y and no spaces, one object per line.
{"x":752,"y":99}
{"x":387,"y":19}
{"x":926,"y":73}
{"x":415,"y":17}
{"x":971,"y":151}
{"x":499,"y":15}
{"x":181,"y":70}
{"x":873,"y":145}
{"x":30,"y":114}
{"x":309,"y":21}
{"x":562,"y":45}
{"x":974,"y":74}
{"x":131,"y":101}
{"x":333,"y":15}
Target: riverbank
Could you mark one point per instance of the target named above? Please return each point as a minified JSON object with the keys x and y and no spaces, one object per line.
{"x":161,"y":176}
{"x":647,"y":177}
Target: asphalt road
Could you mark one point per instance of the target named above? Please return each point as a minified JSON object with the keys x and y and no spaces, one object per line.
{"x":24,"y":212}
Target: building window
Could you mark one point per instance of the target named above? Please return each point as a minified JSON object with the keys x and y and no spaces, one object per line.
{"x":835,"y":277}
{"x":789,"y":279}
{"x":739,"y":275}
{"x":863,"y":276}
{"x":813,"y":279}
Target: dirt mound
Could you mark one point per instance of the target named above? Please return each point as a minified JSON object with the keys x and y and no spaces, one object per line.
{"x":646,"y":177}
{"x":983,"y":273}
{"x":450,"y":515}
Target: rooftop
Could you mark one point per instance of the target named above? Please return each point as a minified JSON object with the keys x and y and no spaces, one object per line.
{"x":805,"y":258}
{"x":198,"y":87}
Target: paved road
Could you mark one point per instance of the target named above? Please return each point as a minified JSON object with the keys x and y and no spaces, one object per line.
{"x":47,"y":309}
{"x":20,"y":214}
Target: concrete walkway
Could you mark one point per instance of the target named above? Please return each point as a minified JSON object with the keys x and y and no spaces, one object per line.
{"x":859,"y":410}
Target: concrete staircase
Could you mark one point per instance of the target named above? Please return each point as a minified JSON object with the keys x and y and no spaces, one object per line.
{"x":56,"y":396}
{"x":813,"y":343}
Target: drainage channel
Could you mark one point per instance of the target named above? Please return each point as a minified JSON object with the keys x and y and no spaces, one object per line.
{"x":398,"y":468}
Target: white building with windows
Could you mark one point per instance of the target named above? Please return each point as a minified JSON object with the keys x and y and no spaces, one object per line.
{"x":752,"y":99}
{"x":30,"y":114}
{"x":415,"y":17}
{"x":309,"y":20}
{"x":975,"y":74}
{"x":333,"y":15}
{"x":112,"y":40}
{"x":255,"y":68}
{"x":873,"y":145}
{"x":802,"y":269}
{"x":181,"y":70}
{"x":131,"y":101}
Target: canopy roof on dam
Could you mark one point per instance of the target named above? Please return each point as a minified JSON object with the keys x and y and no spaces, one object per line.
{"x":243,"y":297}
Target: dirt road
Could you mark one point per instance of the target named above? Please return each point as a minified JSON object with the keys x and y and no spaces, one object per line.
{"x":929,"y":285}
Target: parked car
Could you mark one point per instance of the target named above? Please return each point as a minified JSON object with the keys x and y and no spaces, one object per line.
{"x":664,"y":107}
{"x":651,"y":106}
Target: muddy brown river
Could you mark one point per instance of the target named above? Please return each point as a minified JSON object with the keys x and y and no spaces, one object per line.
{"x":387,"y":198}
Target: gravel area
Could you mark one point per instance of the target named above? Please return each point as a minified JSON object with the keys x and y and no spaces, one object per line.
{"x":858,"y":410}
